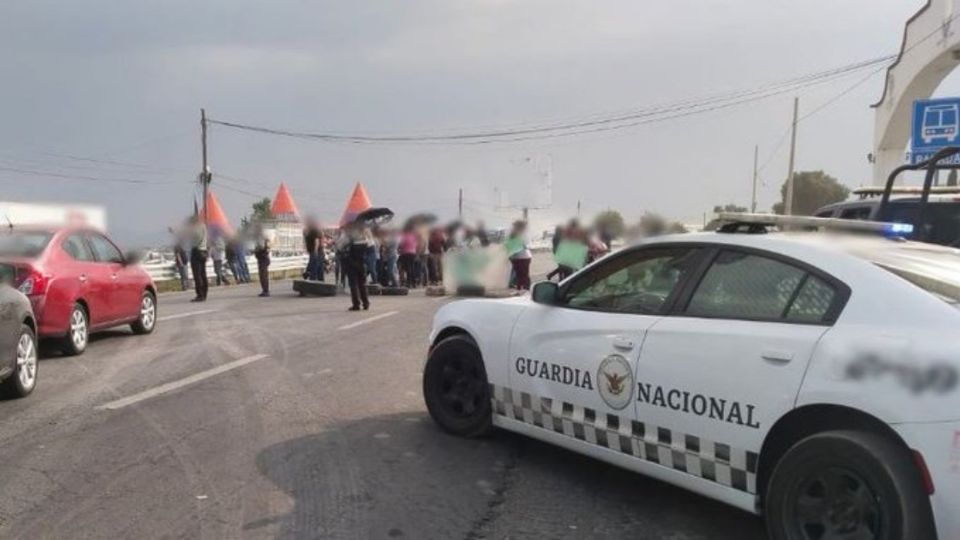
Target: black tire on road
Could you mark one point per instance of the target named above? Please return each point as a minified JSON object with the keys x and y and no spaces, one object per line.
{"x":147,"y":320}
{"x":395,"y":291}
{"x":839,"y":484}
{"x":455,"y":388}
{"x":314,"y":288}
{"x":77,"y":337}
{"x":23,"y":380}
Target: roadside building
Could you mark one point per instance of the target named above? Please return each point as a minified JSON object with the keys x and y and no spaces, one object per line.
{"x":287,"y":223}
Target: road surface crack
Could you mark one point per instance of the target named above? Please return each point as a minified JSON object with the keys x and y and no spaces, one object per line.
{"x":495,"y":503}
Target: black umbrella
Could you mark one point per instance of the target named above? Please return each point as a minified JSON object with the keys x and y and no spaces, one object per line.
{"x":374,"y":216}
{"x":421,"y":219}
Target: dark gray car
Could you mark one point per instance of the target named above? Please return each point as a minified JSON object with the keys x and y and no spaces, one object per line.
{"x":18,"y":342}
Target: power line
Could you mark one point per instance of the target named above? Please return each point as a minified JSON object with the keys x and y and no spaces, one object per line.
{"x":83,"y":178}
{"x":856,"y":85}
{"x":614,"y":122}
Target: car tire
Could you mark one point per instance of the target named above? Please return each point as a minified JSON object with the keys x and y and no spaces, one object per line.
{"x":23,"y":380}
{"x":455,"y":388}
{"x":395,"y":291}
{"x":147,"y":320}
{"x":78,"y":332}
{"x":846,"y":482}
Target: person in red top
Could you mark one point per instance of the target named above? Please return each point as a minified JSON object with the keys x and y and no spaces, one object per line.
{"x":407,"y":247}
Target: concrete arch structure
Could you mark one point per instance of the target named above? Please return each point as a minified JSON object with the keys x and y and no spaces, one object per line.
{"x":930,"y":50}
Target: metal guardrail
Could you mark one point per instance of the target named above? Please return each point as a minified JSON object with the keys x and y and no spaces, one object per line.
{"x":166,"y":271}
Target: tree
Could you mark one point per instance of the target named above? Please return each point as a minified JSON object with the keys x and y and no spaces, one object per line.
{"x":610,"y":223}
{"x":811,"y":191}
{"x":261,"y":210}
{"x":652,"y":224}
{"x":729,"y":207}
{"x":677,"y":228}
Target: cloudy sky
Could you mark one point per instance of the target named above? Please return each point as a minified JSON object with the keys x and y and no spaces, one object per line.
{"x":99,"y":100}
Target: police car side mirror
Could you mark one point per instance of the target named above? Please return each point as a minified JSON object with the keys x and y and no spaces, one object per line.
{"x":546,"y":292}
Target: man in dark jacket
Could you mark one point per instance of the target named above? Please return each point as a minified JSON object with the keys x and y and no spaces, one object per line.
{"x":352,"y":247}
{"x":261,"y":251}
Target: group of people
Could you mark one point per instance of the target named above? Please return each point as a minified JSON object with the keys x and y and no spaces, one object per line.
{"x":409,"y":257}
{"x":196,"y":243}
{"x":593,"y":244}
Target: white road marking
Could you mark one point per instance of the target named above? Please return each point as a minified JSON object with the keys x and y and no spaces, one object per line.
{"x":188,"y":314}
{"x":370,"y":320}
{"x":171,"y":386}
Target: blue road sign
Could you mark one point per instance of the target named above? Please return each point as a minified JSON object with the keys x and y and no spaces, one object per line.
{"x":936,"y":125}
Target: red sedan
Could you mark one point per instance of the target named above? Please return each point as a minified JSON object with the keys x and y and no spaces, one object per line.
{"x":78,"y":282}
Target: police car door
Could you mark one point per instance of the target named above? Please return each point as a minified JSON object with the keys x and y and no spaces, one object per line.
{"x":716,"y":374}
{"x":573,"y":362}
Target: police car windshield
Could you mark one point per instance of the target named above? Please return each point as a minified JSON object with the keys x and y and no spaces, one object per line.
{"x":27,"y":244}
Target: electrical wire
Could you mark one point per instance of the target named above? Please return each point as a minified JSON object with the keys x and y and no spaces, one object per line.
{"x":615,"y":122}
{"x":83,"y":178}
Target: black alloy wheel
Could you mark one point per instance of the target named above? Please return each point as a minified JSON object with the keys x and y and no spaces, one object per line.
{"x":456,"y":389}
{"x":836,"y":503}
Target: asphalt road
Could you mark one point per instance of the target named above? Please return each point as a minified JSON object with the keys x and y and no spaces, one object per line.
{"x":313,"y":427}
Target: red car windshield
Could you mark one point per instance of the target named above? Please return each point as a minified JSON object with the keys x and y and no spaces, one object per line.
{"x":23,"y":244}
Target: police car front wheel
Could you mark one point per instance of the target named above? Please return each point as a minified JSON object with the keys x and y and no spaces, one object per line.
{"x":847,"y":484}
{"x":455,"y":387}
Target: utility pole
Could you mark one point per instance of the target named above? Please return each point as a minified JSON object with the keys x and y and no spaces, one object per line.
{"x":578,"y":209}
{"x":788,"y":200}
{"x":205,"y":172}
{"x":460,"y":205}
{"x":753,"y":198}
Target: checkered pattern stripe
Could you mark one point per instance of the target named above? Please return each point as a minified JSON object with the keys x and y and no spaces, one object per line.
{"x":713,"y":461}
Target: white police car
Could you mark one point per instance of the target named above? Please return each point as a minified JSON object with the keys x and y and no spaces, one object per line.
{"x":808,"y":376}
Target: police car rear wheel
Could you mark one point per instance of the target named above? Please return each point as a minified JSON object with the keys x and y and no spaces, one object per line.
{"x":847,"y":484}
{"x":455,"y":387}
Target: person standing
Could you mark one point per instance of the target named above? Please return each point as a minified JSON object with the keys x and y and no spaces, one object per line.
{"x":352,"y":246}
{"x":231,"y":255}
{"x":391,"y":243}
{"x":436,"y":245}
{"x":261,"y":251}
{"x":407,"y":248}
{"x":240,"y":246}
{"x":217,"y":253}
{"x":520,"y":260}
{"x":312,"y":243}
{"x":482,"y":234}
{"x":198,"y":257}
{"x":372,"y":256}
{"x":423,"y":256}
{"x":181,"y":261}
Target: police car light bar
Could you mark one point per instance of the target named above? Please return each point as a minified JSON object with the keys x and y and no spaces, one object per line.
{"x":776,"y":220}
{"x":875,"y":191}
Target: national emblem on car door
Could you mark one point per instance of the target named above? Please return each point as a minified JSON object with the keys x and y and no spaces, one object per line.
{"x":615,"y":381}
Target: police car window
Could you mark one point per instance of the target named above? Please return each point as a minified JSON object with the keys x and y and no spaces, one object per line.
{"x":812,"y":302}
{"x":860,"y":212}
{"x":638,"y":283}
{"x":104,"y":249}
{"x":77,"y":248}
{"x":745,"y":286}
